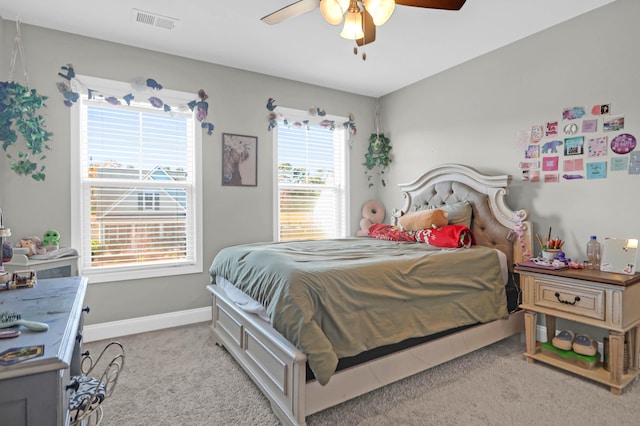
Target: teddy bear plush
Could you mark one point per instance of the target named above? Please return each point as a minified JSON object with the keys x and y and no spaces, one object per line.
{"x":423,"y":219}
{"x":34,"y":244}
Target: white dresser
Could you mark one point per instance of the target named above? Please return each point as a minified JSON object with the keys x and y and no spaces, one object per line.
{"x":32,"y":391}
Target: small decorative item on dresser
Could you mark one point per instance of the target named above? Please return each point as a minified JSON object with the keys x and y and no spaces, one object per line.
{"x":550,"y":254}
{"x":23,"y":279}
{"x":550,"y":247}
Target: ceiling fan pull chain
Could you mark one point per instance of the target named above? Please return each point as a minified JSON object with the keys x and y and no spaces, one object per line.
{"x":355,"y":52}
{"x":18,"y":47}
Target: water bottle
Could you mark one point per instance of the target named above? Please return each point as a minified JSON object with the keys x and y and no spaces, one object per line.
{"x":593,"y":253}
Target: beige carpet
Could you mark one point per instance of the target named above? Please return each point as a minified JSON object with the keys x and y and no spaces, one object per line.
{"x":178,"y":377}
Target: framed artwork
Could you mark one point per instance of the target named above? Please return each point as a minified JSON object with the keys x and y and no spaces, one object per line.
{"x":239,"y":160}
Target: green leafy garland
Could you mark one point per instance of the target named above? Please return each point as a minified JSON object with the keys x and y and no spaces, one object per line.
{"x":19,"y":108}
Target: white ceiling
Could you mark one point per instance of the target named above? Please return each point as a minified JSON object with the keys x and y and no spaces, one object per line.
{"x":414,"y":44}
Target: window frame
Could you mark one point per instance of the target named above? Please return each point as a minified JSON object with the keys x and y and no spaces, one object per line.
{"x":170,"y":97}
{"x":293,"y":115}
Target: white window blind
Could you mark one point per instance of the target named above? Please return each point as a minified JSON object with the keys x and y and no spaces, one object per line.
{"x":137,"y":189}
{"x":311,"y":182}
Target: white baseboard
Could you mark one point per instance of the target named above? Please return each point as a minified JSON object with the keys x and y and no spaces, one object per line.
{"x":114,"y":329}
{"x":111,"y":330}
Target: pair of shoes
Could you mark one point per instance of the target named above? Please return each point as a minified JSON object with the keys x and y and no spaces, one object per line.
{"x":585,"y":345}
{"x":563,"y":340}
{"x":580,"y":344}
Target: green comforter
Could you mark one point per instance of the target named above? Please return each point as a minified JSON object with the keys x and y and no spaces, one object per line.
{"x":338,"y":298}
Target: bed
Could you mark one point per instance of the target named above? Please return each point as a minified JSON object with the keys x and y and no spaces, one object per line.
{"x":347,"y":364}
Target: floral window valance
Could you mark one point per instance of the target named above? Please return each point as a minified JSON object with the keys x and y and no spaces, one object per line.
{"x":142,"y":90}
{"x":314,"y":116}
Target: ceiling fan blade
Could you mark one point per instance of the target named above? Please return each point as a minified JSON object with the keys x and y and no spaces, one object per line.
{"x":368,"y":28}
{"x":433,"y":4}
{"x":294,"y":9}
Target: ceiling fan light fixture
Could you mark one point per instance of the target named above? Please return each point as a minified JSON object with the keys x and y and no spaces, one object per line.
{"x":352,"y":29}
{"x":333,"y":10}
{"x":380,"y":10}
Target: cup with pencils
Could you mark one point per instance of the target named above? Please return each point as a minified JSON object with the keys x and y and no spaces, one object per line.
{"x":550,"y":247}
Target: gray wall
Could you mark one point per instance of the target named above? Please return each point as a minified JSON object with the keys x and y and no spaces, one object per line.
{"x":236,"y":105}
{"x":472,"y":113}
{"x":469,"y":114}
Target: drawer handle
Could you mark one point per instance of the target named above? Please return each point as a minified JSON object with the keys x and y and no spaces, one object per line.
{"x":566,"y":302}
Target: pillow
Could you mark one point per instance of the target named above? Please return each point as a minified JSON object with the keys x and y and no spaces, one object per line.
{"x":424,"y":219}
{"x":450,"y":236}
{"x":389,"y":232}
{"x":459,"y":213}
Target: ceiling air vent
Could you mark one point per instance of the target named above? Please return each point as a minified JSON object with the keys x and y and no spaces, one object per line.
{"x":153,"y":19}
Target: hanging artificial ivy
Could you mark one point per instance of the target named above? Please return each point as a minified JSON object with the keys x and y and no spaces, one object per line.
{"x":378,"y":156}
{"x":20,"y":113}
{"x":19,"y":109}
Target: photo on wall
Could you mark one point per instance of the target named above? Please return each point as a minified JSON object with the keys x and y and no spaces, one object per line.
{"x":613,"y":124}
{"x":574,"y":146}
{"x":239,"y":160}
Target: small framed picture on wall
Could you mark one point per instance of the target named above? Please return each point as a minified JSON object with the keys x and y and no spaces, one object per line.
{"x":239,"y":160}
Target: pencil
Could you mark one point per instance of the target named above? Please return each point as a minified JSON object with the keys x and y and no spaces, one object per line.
{"x":540,"y":241}
{"x":549,"y":237}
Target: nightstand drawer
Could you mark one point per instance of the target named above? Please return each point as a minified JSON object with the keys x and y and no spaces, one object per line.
{"x":587,"y":302}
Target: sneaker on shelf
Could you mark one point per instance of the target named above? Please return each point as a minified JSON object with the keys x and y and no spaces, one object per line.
{"x":563,"y":340}
{"x":585,"y":345}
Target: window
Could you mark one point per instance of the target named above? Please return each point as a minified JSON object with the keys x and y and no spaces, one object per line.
{"x":135,"y":186}
{"x":149,"y":201}
{"x":311,"y":179}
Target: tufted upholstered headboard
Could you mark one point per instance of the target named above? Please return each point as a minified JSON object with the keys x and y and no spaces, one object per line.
{"x":493,"y":223}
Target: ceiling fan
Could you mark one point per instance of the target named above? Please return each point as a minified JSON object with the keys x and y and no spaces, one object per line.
{"x":360,"y":16}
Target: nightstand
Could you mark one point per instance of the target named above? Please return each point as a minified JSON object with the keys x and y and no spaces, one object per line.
{"x":601,"y":299}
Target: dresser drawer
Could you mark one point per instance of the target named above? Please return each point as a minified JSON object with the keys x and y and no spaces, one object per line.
{"x":583,"y":301}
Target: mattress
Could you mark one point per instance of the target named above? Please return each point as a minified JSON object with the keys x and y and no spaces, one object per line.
{"x":337,"y":298}
{"x":252,"y":306}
